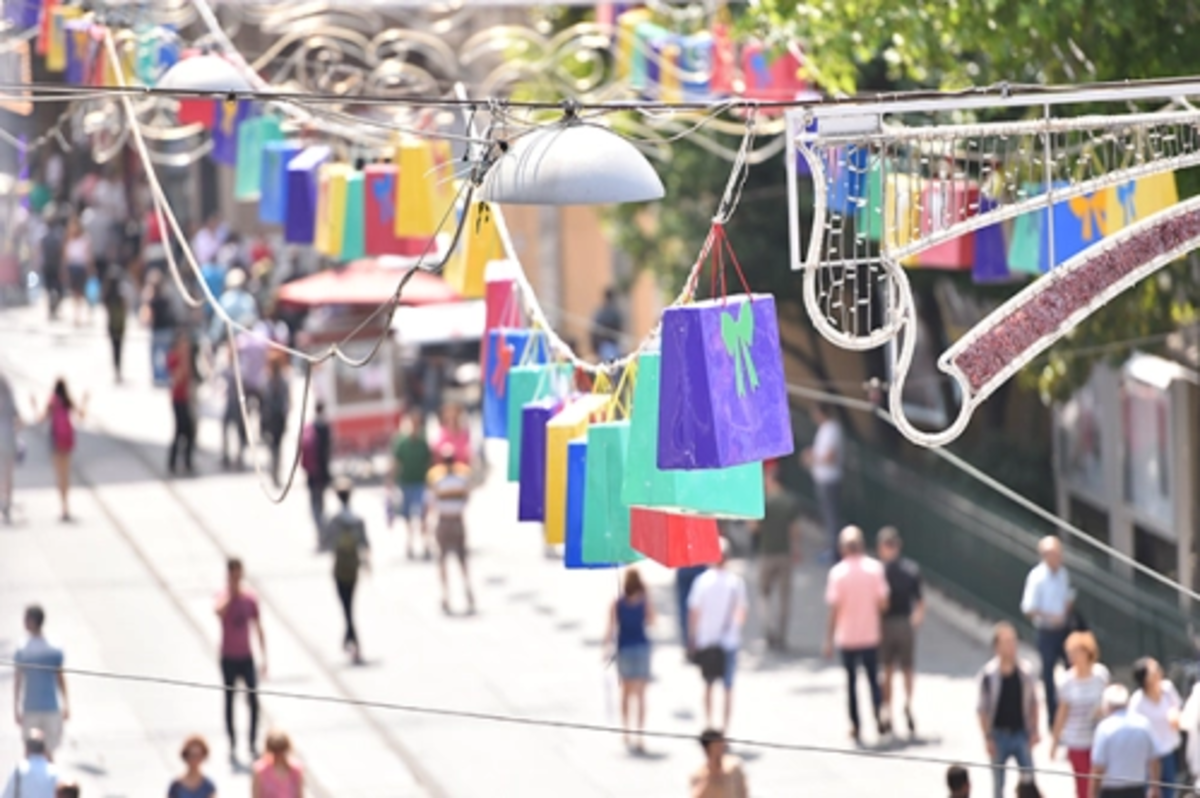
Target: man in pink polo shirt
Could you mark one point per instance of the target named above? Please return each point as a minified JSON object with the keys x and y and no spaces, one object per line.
{"x":857,"y":595}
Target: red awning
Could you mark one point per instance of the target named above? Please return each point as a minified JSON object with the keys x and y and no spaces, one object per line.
{"x":369,"y":282}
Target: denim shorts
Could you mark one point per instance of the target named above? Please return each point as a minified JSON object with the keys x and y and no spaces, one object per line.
{"x":633,"y":663}
{"x":412,"y":501}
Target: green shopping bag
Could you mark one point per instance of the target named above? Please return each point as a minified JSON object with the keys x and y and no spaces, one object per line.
{"x":1025,"y":248}
{"x":735,"y":492}
{"x":354,"y":237}
{"x":605,"y":513}
{"x":530,"y":381}
{"x":252,"y":138}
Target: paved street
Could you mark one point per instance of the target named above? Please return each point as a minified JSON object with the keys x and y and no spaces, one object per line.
{"x":129,"y":589}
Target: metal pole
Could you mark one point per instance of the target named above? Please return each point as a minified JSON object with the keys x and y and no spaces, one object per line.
{"x":1048,"y":176}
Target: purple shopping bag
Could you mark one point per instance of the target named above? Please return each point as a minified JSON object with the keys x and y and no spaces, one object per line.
{"x":531,"y":503}
{"x":723,"y":395}
{"x":302,"y":186}
{"x":230,"y":116}
{"x":991,"y":250}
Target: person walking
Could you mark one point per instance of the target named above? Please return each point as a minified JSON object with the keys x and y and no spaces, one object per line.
{"x":276,"y":774}
{"x":778,"y":535}
{"x":1079,"y":697}
{"x":39,"y":686}
{"x":450,"y":483}
{"x":10,"y":426}
{"x":1007,"y":706}
{"x":1157,"y":700}
{"x":408,"y":471}
{"x":958,"y":781}
{"x":684,"y":579}
{"x":52,"y":251}
{"x":824,"y":460}
{"x":717,"y":609}
{"x":857,"y":593}
{"x":1124,"y":757}
{"x":77,"y":253}
{"x":453,"y":432}
{"x":61,"y":413}
{"x":35,"y":776}
{"x":1047,"y":602}
{"x":158,"y":313}
{"x":276,"y":406}
{"x":116,"y":306}
{"x":628,"y":619}
{"x":193,"y":783}
{"x":316,"y":454}
{"x":722,"y":775}
{"x":608,"y":327}
{"x":904,"y":614}
{"x":237,"y":607}
{"x":351,"y":553}
{"x":183,"y":440}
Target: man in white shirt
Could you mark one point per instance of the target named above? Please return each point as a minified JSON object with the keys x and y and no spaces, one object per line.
{"x":35,"y":777}
{"x":824,"y":460}
{"x":716,"y":614}
{"x":1047,"y":603}
{"x":208,"y":240}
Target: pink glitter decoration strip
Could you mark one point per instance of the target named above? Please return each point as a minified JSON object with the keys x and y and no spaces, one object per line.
{"x":1069,"y":289}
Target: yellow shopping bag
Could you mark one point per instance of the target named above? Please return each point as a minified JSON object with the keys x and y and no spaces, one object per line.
{"x":416,"y":192}
{"x":331,"y":208}
{"x":481,"y":246}
{"x":570,"y":422}
{"x":56,"y":53}
{"x":1135,"y":200}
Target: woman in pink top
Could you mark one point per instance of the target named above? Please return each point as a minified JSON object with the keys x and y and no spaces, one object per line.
{"x":454,"y":433}
{"x":62,"y":413}
{"x":857,"y":595}
{"x":275,"y":774}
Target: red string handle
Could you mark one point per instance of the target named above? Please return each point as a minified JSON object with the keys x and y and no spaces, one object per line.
{"x":719,"y":246}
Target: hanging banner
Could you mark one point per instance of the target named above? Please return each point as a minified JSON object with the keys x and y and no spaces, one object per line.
{"x":723,"y":397}
{"x":301,"y":208}
{"x":735,"y":492}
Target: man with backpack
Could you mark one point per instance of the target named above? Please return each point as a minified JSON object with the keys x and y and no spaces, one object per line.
{"x":351,"y":552}
{"x":316,"y":444}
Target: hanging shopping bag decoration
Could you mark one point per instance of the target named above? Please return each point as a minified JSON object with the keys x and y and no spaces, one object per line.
{"x":76,"y":40}
{"x":676,"y":540}
{"x":723,"y":396}
{"x":230,"y":116}
{"x":530,"y":380}
{"x":23,"y":14}
{"x":272,"y":198}
{"x":631,"y":60}
{"x":1135,"y":200}
{"x":606,"y":535}
{"x":197,"y":112}
{"x":416,"y":193}
{"x":846,"y":170}
{"x":502,"y":298}
{"x":331,"y":208}
{"x":646,"y":71}
{"x":1079,"y":222}
{"x":577,"y":457}
{"x":301,"y":209}
{"x":505,"y":348}
{"x":252,"y":138}
{"x":990,"y":264}
{"x":481,"y":246}
{"x":381,"y":181}
{"x":944,"y":204}
{"x":56,"y":53}
{"x":353,"y":232}
{"x":697,"y":62}
{"x":890,"y":214}
{"x":571,"y":421}
{"x":1025,"y":246}
{"x":531,"y":490}
{"x":735,"y":492}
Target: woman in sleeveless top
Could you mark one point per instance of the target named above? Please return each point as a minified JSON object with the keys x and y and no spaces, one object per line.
{"x":629,"y":618}
{"x":275,"y":774}
{"x":62,"y":413}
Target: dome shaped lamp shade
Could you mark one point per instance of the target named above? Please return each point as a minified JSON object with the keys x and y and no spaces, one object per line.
{"x":572,"y":164}
{"x":204,"y":73}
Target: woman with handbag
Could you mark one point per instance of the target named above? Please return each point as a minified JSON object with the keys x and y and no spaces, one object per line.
{"x":628,"y":619}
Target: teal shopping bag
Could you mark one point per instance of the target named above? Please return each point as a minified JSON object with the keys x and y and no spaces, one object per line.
{"x":605,"y":513}
{"x":527,"y":383}
{"x":735,"y":492}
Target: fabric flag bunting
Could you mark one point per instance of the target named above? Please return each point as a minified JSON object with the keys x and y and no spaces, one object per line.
{"x":272,"y":200}
{"x":301,"y":208}
{"x":723,"y":396}
{"x":252,"y":139}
